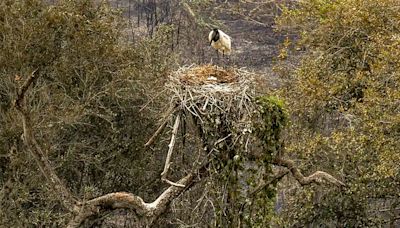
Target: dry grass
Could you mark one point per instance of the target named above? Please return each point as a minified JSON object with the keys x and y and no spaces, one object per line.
{"x":207,"y":74}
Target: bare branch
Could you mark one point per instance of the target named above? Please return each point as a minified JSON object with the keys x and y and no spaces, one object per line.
{"x":317,"y":177}
{"x":172,"y":183}
{"x":223,"y":139}
{"x":162,"y":126}
{"x":189,"y":10}
{"x":171,"y":148}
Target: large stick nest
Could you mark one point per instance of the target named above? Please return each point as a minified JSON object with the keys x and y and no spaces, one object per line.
{"x":220,"y":100}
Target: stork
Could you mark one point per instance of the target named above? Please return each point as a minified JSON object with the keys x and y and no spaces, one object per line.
{"x":220,"y":41}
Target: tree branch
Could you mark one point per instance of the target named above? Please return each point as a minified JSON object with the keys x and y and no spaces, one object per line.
{"x":278,"y":176}
{"x":36,"y":151}
{"x":124,"y":200}
{"x":21,"y":92}
{"x":317,"y":177}
{"x":170,"y":150}
{"x":161,"y":127}
{"x":198,"y":20}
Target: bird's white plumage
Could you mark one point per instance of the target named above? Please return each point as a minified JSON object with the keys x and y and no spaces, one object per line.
{"x":223,"y":44}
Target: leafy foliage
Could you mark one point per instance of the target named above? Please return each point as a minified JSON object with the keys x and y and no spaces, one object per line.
{"x":85,"y":105}
{"x":273,"y":118}
{"x":268,"y":124}
{"x":344,"y":98}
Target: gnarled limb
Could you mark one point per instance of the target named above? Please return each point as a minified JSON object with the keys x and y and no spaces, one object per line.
{"x":36,"y":151}
{"x":317,"y":177}
{"x":21,"y":92}
{"x":123,"y":200}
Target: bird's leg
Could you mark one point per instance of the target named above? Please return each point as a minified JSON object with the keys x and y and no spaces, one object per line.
{"x":228,"y":60}
{"x":217,"y":56}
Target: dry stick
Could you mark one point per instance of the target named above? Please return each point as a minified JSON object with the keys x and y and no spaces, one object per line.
{"x":36,"y":151}
{"x":22,"y":91}
{"x":317,"y":177}
{"x":205,"y":104}
{"x":162,"y":126}
{"x":221,"y":140}
{"x":171,"y":148}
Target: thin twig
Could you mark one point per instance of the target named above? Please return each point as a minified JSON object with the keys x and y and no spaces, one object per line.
{"x":152,"y":99}
{"x":223,"y":139}
{"x":172,"y":183}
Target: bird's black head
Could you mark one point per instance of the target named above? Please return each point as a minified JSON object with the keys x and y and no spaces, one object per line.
{"x":215,"y":35}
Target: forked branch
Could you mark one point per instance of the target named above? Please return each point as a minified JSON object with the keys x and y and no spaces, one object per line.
{"x":82,"y":211}
{"x":124,"y":200}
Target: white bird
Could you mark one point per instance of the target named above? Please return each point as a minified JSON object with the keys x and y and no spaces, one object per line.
{"x":220,"y":41}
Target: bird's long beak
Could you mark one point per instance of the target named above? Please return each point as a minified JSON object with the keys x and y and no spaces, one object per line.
{"x":210,"y":42}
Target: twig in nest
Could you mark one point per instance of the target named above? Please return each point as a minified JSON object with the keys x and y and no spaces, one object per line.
{"x":205,"y":104}
{"x":171,"y":148}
